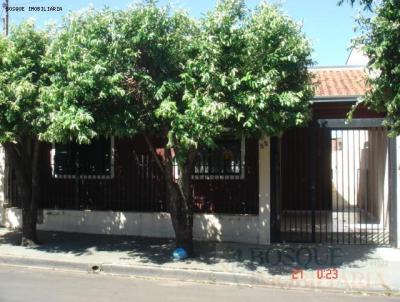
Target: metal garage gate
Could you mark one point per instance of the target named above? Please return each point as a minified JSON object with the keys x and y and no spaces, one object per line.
{"x":331,"y":186}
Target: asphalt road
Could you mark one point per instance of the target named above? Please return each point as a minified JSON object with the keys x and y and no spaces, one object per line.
{"x":26,"y":284}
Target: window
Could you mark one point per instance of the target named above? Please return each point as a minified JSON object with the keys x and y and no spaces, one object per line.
{"x":226,"y":161}
{"x":93,"y":161}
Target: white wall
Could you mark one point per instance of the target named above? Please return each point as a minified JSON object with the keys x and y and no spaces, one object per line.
{"x":236,"y":228}
{"x":357,"y":57}
{"x":397,"y":216}
{"x":346,"y":164}
{"x":264,"y":178}
{"x":360,"y":174}
{"x":2,"y":168}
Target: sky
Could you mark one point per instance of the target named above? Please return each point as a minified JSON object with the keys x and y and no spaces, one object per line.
{"x":329,"y":27}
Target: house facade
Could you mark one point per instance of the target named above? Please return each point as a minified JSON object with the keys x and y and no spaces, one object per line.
{"x":328,"y":182}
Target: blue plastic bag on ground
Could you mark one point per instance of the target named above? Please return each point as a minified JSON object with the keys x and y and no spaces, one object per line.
{"x":179,"y":254}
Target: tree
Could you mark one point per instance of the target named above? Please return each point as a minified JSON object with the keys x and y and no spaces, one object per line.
{"x":21,"y":115}
{"x":367,"y":3}
{"x":160,"y":73}
{"x":380,"y":40}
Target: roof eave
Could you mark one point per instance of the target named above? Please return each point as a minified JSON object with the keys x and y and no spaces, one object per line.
{"x":336,"y":99}
{"x":336,"y":67}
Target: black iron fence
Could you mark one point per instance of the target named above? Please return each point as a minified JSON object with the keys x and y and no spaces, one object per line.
{"x":334,"y":188}
{"x":133,"y":182}
{"x":136,"y":185}
{"x":11,"y":195}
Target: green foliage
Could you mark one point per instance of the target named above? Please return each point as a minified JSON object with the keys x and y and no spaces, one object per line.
{"x":155,"y":70}
{"x":258,"y":60}
{"x":381,"y":43}
{"x":86,"y":97}
{"x":367,"y":3}
{"x":21,"y":78}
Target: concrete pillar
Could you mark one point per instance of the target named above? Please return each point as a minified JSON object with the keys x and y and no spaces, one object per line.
{"x":264,"y":170}
{"x":397,"y":192}
{"x":394,"y":195}
{"x":2,"y":170}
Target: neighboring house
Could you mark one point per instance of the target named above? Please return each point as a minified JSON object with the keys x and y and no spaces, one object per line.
{"x":331,"y":181}
{"x":357,"y":57}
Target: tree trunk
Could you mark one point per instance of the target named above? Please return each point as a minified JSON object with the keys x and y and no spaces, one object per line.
{"x":180,"y":202}
{"x":29,"y":234}
{"x":178,"y":194}
{"x":24,"y":157}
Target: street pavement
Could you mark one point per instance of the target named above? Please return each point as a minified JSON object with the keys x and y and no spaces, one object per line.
{"x":26,"y":284}
{"x":344,"y":268}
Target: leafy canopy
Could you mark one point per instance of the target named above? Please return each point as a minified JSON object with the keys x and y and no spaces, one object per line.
{"x":367,"y":3}
{"x":21,"y":78}
{"x":382,"y":45}
{"x":85,"y":98}
{"x":380,"y":40}
{"x":159,"y":71}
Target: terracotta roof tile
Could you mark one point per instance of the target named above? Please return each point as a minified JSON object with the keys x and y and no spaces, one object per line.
{"x":332,"y":82}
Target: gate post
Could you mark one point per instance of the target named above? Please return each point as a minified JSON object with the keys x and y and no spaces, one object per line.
{"x":264,"y":197}
{"x":2,"y":184}
{"x":394,"y":162}
{"x":397,"y":190}
{"x":394,"y":191}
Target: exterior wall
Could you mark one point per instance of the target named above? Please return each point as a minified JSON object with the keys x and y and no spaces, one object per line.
{"x":264,"y":212}
{"x":2,"y":170}
{"x":346,"y":165}
{"x":354,"y":154}
{"x":339,"y":110}
{"x":298,"y":151}
{"x":213,"y":227}
{"x":397,"y":201}
{"x":236,"y":228}
{"x":357,"y":57}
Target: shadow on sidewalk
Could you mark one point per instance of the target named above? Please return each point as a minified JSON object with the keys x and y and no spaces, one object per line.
{"x":277,"y":259}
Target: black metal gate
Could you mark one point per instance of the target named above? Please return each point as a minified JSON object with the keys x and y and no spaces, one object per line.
{"x":331,"y":185}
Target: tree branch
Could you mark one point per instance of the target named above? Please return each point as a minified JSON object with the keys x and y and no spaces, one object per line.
{"x":154,"y":153}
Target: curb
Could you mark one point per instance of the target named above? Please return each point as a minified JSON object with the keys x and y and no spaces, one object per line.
{"x":192,"y":275}
{"x":46,"y":263}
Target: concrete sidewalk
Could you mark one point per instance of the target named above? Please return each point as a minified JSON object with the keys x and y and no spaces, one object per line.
{"x":345,"y":268}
